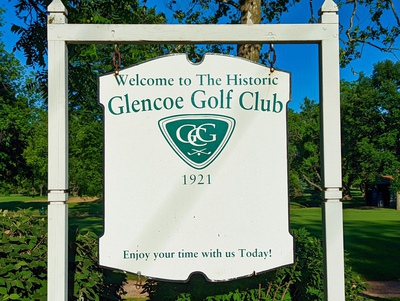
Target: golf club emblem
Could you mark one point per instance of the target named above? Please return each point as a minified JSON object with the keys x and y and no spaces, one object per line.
{"x":197,"y":139}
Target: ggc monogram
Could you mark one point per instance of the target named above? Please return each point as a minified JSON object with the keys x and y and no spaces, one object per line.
{"x":195,"y":136}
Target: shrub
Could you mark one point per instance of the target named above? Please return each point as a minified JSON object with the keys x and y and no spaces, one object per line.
{"x":87,"y":281}
{"x":23,"y":268}
{"x":23,"y":262}
{"x":310,"y":283}
{"x":23,"y":271}
{"x":253,"y":288}
{"x":301,"y":282}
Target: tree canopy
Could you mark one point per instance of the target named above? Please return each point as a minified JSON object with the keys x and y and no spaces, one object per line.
{"x":86,"y":62}
{"x":15,"y":117}
{"x":369,"y":104}
{"x":304,"y":148}
{"x":373,"y":23}
{"x":371,"y":126}
{"x":362,"y":23}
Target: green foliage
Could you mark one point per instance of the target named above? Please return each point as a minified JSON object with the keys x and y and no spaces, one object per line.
{"x":14,"y":125}
{"x":17,"y":115}
{"x":86,"y":163}
{"x":35,"y":153}
{"x":88,"y":62}
{"x":370,"y":105}
{"x":87,"y":280}
{"x":23,"y":268}
{"x":382,"y":31}
{"x":33,"y":40}
{"x":27,"y":155}
{"x":23,"y":262}
{"x":86,"y":127}
{"x":304,"y":149}
{"x":310,"y":281}
{"x":198,"y":288}
{"x":304,"y":281}
{"x":22,"y":138}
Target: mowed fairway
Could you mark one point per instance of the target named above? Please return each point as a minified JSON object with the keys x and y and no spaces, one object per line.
{"x":371,"y":236}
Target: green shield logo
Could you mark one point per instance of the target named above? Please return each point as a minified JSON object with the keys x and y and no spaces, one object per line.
{"x":197,"y":139}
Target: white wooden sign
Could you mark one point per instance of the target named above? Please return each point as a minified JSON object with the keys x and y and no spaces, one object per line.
{"x":196,"y":175}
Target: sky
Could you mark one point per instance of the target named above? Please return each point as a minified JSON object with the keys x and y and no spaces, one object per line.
{"x":301,"y":60}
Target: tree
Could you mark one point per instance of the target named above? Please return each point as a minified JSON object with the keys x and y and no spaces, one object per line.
{"x":23,"y":262}
{"x":304,"y":150}
{"x":14,"y":122}
{"x":250,"y":14}
{"x":294,"y":136}
{"x":370,"y":126}
{"x":381,"y":31}
{"x":35,"y":152}
{"x":86,"y":151}
{"x":86,"y":63}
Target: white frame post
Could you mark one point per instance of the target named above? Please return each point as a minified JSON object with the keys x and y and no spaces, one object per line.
{"x":325,"y":34}
{"x":57,"y":250}
{"x":332,"y":209}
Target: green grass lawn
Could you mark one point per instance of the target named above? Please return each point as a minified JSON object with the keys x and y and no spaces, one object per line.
{"x":372,"y":235}
{"x":87,"y":216}
{"x":14,"y":202}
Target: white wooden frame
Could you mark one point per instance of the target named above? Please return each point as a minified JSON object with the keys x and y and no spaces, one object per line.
{"x":325,"y":34}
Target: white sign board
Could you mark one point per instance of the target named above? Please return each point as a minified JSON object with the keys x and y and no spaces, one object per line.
{"x":196,"y":174}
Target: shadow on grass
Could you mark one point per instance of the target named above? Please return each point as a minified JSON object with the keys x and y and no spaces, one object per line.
{"x":86,"y":208}
{"x":313,"y":198}
{"x":310,"y":198}
{"x":87,"y":216}
{"x":369,"y":298}
{"x":371,"y":237}
{"x":87,"y":224}
{"x":309,"y":218}
{"x":23,"y":205}
{"x":357,"y":201}
{"x":373,"y":240}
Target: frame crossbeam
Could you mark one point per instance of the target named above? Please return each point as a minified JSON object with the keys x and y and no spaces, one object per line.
{"x":190,"y":34}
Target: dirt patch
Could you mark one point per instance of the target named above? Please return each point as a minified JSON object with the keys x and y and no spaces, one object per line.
{"x":383,"y":289}
{"x":133,"y":290}
{"x":74,"y":199}
{"x":77,"y":199}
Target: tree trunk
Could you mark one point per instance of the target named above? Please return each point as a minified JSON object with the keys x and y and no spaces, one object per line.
{"x":41,"y":189}
{"x":312,"y":183}
{"x":251,"y":14}
{"x":398,"y":200}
